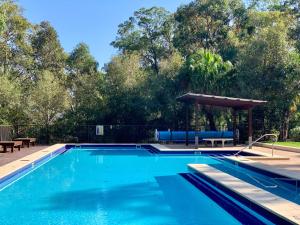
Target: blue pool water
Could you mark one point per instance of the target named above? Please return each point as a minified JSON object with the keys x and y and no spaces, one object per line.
{"x":111,"y":186}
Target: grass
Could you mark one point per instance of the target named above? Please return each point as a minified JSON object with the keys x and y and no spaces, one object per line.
{"x":288,"y":143}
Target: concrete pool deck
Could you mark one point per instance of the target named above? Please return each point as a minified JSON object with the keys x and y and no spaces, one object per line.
{"x":7,"y":157}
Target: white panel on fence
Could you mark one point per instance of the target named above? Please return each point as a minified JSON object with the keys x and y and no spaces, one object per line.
{"x":99,"y":130}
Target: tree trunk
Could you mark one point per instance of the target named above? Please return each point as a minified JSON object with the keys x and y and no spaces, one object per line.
{"x":210,"y":117}
{"x":285,"y":126}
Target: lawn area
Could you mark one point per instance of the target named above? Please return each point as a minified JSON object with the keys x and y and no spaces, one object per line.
{"x":289,"y":143}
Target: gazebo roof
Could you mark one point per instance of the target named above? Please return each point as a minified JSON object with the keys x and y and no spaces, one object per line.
{"x":221,"y":101}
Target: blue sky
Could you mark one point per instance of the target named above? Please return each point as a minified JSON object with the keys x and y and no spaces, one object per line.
{"x":94,"y":22}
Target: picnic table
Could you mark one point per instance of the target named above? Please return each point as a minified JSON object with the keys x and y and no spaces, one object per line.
{"x":26,"y":141}
{"x":11,"y":144}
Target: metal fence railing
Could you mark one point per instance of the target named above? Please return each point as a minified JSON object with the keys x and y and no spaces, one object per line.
{"x":120,"y":133}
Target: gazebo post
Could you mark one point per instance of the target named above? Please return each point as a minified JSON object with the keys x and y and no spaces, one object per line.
{"x":250,"y":129}
{"x":234,"y":118}
{"x":186,"y":125}
{"x":197,"y":124}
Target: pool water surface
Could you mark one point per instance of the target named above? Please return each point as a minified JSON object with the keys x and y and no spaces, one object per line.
{"x":111,"y":186}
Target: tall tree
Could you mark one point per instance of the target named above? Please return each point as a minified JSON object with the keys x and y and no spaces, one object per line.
{"x":48,"y":100}
{"x":81,"y":62}
{"x":10,"y":101}
{"x":269,"y":69}
{"x":125,"y":88}
{"x":14,"y":30}
{"x":149,"y":32}
{"x":206,"y":24}
{"x":47,"y":51}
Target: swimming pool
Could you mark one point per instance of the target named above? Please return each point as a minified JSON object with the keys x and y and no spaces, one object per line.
{"x":280,"y":185}
{"x":116,"y":185}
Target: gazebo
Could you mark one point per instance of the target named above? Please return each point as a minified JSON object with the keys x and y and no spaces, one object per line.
{"x":236,"y":104}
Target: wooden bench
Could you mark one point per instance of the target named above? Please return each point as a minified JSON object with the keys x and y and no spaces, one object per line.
{"x":26,"y":141}
{"x":213,"y":140}
{"x":11,"y":145}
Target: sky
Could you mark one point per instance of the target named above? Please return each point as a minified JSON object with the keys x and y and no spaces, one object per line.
{"x":94,"y":22}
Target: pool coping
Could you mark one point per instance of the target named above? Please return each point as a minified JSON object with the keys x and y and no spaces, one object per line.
{"x":259,"y":155}
{"x":11,"y":169}
{"x":250,"y":162}
{"x":274,"y":204}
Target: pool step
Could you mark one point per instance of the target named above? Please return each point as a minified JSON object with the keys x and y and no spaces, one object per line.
{"x":227,"y":203}
{"x":261,"y":199}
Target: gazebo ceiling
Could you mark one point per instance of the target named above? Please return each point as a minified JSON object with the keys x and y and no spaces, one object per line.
{"x":221,"y":101}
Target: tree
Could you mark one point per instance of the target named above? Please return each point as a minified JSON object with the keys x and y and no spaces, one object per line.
{"x":81,"y":62}
{"x":87,"y":100}
{"x":48,"y":100}
{"x":14,"y":30}
{"x":125,"y":89}
{"x":47,"y":51}
{"x":269,"y":69}
{"x":205,"y":72}
{"x":150,"y":33}
{"x":206,"y":24}
{"x":10,"y":101}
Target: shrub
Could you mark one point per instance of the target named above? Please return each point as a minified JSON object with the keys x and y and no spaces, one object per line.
{"x":295,"y":134}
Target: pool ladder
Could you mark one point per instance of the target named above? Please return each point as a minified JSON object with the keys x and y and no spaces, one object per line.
{"x":257,"y":140}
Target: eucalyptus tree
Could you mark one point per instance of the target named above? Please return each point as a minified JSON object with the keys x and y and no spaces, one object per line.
{"x":48,"y":101}
{"x":269,"y":68}
{"x":48,"y":53}
{"x":207,"y":24}
{"x":81,"y":62}
{"x":126,"y":90}
{"x":11,"y":109}
{"x":15,"y":54}
{"x":150,"y":32}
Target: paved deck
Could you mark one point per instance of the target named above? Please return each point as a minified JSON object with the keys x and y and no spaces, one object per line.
{"x":8,"y":156}
{"x":273,"y":203}
{"x":28,"y":159}
{"x":289,"y":168}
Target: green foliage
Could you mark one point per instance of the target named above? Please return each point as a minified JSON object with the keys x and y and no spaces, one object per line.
{"x":205,"y":71}
{"x":87,"y":99}
{"x":81,"y":62}
{"x":148,"y":32}
{"x":295,"y":133}
{"x":206,"y":24}
{"x":48,"y":100}
{"x":47,"y":51}
{"x":10,"y":100}
{"x":15,"y":51}
{"x":125,"y":86}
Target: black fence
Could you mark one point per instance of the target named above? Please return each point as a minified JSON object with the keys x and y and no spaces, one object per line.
{"x":83,"y":133}
{"x":102,"y":133}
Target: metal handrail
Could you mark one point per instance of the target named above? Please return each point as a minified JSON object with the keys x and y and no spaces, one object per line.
{"x":253,"y":142}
